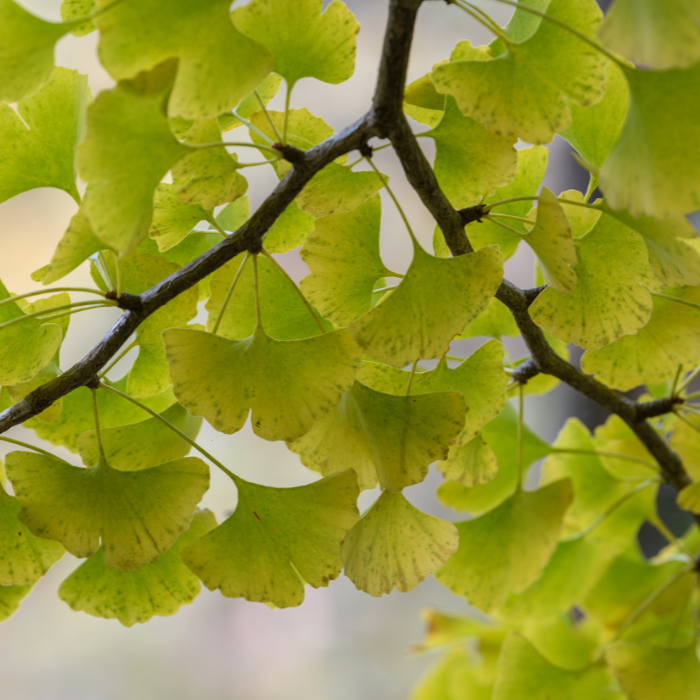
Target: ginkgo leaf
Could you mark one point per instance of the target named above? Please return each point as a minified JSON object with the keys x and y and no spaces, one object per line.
{"x":596,"y":490}
{"x":422,"y":102}
{"x":506,"y":549}
{"x":650,"y":170}
{"x":686,"y":441}
{"x":470,"y":161}
{"x":77,"y":9}
{"x":39,"y":139}
{"x":470,"y":464}
{"x":480,"y":378}
{"x":689,"y":498}
{"x":496,"y":322}
{"x":26,"y":53}
{"x":524,"y":92}
{"x":289,"y":231}
{"x":277,"y":540}
{"x":139,"y":272}
{"x":25,"y":347}
{"x":672,"y":244}
{"x":648,"y":672}
{"x":395,"y":545}
{"x":594,"y":129}
{"x":160,"y":588}
{"x":612,"y":295}
{"x":172,"y":219}
{"x":616,"y":437}
{"x":284,"y":315}
{"x":137,"y":515}
{"x":208,"y":177}
{"x":77,"y":415}
{"x":127,"y":150}
{"x":289,"y":385}
{"x":24,"y":558}
{"x":385,"y":438}
{"x":437,"y":299}
{"x":344,"y":262}
{"x":141,"y":445}
{"x":671,"y":338}
{"x":306,"y":42}
{"x":524,"y":674}
{"x":553,"y":243}
{"x":218,"y":66}
{"x":452,"y":678}
{"x":10,"y":598}
{"x":655,"y":33}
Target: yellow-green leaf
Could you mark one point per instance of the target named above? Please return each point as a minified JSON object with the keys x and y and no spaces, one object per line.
{"x":470,"y":464}
{"x":172,"y":219}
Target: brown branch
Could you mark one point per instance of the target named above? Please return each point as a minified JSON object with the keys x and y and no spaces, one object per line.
{"x":386,"y":120}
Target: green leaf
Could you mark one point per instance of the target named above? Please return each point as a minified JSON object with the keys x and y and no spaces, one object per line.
{"x":496,"y":322}
{"x":277,"y":540}
{"x":506,"y":549}
{"x":594,"y":129}
{"x":686,"y":441}
{"x":385,"y":438}
{"x":452,"y":678}
{"x":524,"y":92}
{"x":24,"y":558}
{"x":39,"y":143}
{"x":437,"y":299}
{"x":173,"y":220}
{"x":127,"y":150}
{"x":284,"y":314}
{"x":501,"y":434}
{"x":208,"y":177}
{"x":306,"y":42}
{"x":524,"y":674}
{"x":470,"y":161}
{"x":596,"y":490}
{"x":10,"y":598}
{"x":552,"y":241}
{"x":344,"y":262}
{"x":395,"y":545}
{"x":470,"y":464}
{"x":650,"y":169}
{"x":27,"y":346}
{"x":218,"y":66}
{"x":610,"y":298}
{"x":289,"y":385}
{"x":77,"y":415}
{"x":160,"y":588}
{"x":648,"y":672}
{"x":137,"y":515}
{"x":26,"y":56}
{"x":671,"y":338}
{"x":142,"y":445}
{"x":139,"y":272}
{"x":422,"y":102}
{"x":289,"y":230}
{"x":655,"y":33}
{"x":77,"y":9}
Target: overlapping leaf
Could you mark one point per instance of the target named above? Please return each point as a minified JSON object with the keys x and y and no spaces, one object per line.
{"x":160,"y":588}
{"x":395,"y":545}
{"x":289,"y":385}
{"x":506,"y":550}
{"x":436,"y":301}
{"x":172,"y":219}
{"x":277,"y":540}
{"x":524,"y":91}
{"x":136,"y":515}
{"x":218,"y":65}
{"x":306,"y":42}
{"x":384,"y":438}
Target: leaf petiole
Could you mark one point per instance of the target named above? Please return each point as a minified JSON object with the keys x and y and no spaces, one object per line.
{"x":26,"y":295}
{"x":410,"y":378}
{"x":272,"y":124}
{"x":31,"y":447}
{"x":521,"y":408}
{"x":61,"y":307}
{"x":234,"y":144}
{"x":612,"y":455}
{"x":122,"y":354}
{"x":229,"y":293}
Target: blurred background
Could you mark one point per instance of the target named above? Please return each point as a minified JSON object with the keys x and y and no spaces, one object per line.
{"x":340,"y":643}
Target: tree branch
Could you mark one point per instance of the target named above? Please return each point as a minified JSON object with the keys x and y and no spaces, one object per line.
{"x":386,"y":120}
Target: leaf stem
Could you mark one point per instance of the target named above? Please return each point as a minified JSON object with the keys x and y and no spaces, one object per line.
{"x":283,"y":272}
{"x":234,"y":144}
{"x":122,"y":354}
{"x":119,"y":274}
{"x":61,"y":307}
{"x":31,"y":447}
{"x":98,"y":433}
{"x":568,"y":28}
{"x":410,"y":378}
{"x":107,"y":271}
{"x":689,"y":379}
{"x":252,"y":127}
{"x":679,"y":371}
{"x":678,"y":300}
{"x":229,"y":293}
{"x":272,"y":124}
{"x":26,"y":295}
{"x":490,"y":25}
{"x":175,"y":429}
{"x":285,"y":121}
{"x":521,"y":409}
{"x":258,"y":316}
{"x":502,"y":225}
{"x":215,"y":224}
{"x":535,"y":198}
{"x":613,"y":455}
{"x":456,"y":359}
{"x":374,"y":150}
{"x":514,"y":218}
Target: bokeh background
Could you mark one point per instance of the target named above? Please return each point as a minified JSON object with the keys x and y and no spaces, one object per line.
{"x":341,"y":643}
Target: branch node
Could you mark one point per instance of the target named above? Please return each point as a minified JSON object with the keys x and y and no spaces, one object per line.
{"x":529,"y":369}
{"x":471,"y":214}
{"x":126,"y":301}
{"x":290,"y":153}
{"x":532,"y":294}
{"x":365,"y":150}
